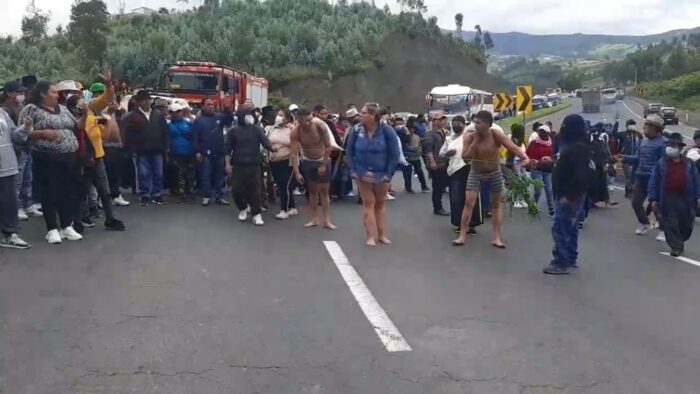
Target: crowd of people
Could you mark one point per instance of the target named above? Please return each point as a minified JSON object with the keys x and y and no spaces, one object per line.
{"x":66,"y":155}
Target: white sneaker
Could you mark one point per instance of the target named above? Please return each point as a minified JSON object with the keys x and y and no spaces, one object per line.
{"x":389,"y":197}
{"x":644,"y":229}
{"x":292,"y":212}
{"x":206,"y":201}
{"x":257,"y":220}
{"x":54,"y":237}
{"x":661,"y":237}
{"x":520,"y":205}
{"x":37,"y":206}
{"x":296,"y":192}
{"x":22,"y":215}
{"x":282,"y":215}
{"x":120,"y":202}
{"x":13,"y":241}
{"x":350,"y":194}
{"x":243,"y":215}
{"x":656,"y":225}
{"x":33,"y":211}
{"x":70,"y":234}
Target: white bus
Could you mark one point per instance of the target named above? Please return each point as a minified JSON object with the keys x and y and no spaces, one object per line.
{"x":459,"y":100}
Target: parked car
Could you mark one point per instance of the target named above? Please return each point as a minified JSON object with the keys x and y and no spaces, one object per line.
{"x":652,"y":108}
{"x":670,"y":115}
{"x":539,"y":102}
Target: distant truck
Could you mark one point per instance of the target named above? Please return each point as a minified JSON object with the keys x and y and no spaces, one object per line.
{"x":609,"y":95}
{"x":195,"y":81}
{"x":590,"y":100}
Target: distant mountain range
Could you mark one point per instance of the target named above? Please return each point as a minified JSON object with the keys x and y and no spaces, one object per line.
{"x":572,"y":45}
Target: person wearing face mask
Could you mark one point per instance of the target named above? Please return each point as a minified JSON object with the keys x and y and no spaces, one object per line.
{"x":280,"y":165}
{"x":243,"y":163}
{"x":628,"y":143}
{"x":458,"y":172}
{"x":9,"y":221}
{"x":674,"y":194}
{"x":12,"y":102}
{"x":650,"y":151}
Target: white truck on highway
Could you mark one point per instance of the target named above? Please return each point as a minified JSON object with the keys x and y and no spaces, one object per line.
{"x":590,"y":99}
{"x":609,"y":95}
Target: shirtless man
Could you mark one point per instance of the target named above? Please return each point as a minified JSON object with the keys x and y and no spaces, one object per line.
{"x":314,"y":162}
{"x":482,"y":148}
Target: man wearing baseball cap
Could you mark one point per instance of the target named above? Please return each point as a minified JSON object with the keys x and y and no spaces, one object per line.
{"x":437,"y":164}
{"x":650,"y":151}
{"x":96,"y":175}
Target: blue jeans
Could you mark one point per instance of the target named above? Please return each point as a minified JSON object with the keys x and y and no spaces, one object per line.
{"x":565,"y":231}
{"x":150,"y":174}
{"x":23,"y":180}
{"x":212,"y":177}
{"x":546,"y":178}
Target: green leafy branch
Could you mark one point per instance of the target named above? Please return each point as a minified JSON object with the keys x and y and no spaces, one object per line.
{"x":519,"y":190}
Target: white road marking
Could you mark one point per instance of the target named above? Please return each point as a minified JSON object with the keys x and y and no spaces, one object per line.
{"x":630,"y":109}
{"x":683,"y":259}
{"x":386,"y":330}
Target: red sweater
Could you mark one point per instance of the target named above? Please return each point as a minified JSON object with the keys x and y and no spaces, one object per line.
{"x":537,"y":151}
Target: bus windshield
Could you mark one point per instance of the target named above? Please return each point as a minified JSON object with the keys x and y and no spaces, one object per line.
{"x":450,"y":104}
{"x":182,"y":80}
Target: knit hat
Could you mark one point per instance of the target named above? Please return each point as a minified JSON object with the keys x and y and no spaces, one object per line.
{"x":573,"y":128}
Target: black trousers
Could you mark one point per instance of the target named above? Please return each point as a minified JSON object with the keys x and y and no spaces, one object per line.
{"x":677,"y":220}
{"x":440,"y":181}
{"x":282,"y":173}
{"x":458,"y":196}
{"x":9,"y":223}
{"x":58,"y":179}
{"x":117,"y":162}
{"x":246,"y":182}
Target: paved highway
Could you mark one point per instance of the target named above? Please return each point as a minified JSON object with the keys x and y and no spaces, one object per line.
{"x":189,"y":300}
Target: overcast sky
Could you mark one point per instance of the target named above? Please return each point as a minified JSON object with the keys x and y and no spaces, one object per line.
{"x":530,"y":16}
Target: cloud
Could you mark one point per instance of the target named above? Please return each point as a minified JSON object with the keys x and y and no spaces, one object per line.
{"x":635,"y":17}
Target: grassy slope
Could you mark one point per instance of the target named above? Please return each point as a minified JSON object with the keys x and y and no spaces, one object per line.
{"x":508,"y":122}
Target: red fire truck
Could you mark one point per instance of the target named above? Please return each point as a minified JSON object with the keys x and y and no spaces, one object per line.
{"x":195,"y":81}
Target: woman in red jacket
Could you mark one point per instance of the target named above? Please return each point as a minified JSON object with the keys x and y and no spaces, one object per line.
{"x":540,"y":151}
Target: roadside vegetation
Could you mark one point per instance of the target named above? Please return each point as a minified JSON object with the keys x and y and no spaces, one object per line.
{"x":280,"y":39}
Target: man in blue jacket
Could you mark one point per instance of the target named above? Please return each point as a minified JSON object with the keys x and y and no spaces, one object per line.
{"x":674,"y":194}
{"x":651,"y":150}
{"x":210,"y":151}
{"x":182,"y":152}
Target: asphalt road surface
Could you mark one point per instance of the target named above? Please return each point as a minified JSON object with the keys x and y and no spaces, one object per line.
{"x":189,"y":300}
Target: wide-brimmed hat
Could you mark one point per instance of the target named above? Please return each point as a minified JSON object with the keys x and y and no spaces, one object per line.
{"x":655,"y":120}
{"x":351,"y":113}
{"x":675,"y":138}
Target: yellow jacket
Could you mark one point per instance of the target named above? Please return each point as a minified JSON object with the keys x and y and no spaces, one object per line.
{"x":95,"y":131}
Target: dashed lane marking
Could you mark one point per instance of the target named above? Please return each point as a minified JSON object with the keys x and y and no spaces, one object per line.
{"x":683,"y":259}
{"x":386,"y":330}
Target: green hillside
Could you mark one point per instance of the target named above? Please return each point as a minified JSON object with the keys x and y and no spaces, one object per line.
{"x":280,"y":39}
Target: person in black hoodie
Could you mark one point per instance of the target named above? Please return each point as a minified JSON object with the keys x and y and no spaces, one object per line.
{"x":243,"y":163}
{"x":571,"y":177}
{"x":146,"y":135}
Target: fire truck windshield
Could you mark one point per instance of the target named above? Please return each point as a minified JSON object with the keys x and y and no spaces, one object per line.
{"x":183,"y":80}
